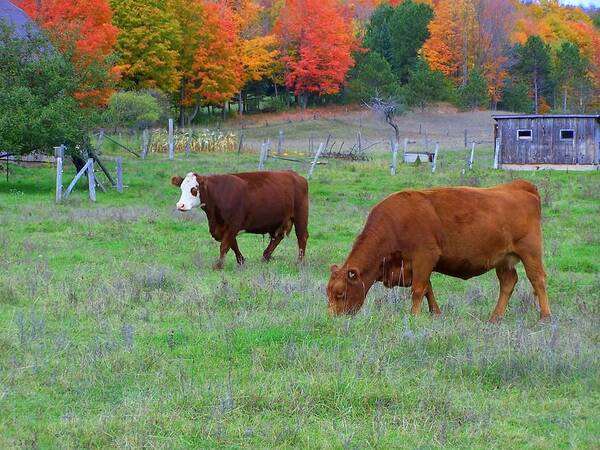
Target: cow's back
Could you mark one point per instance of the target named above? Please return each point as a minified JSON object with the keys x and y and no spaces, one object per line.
{"x":471,"y":229}
{"x":270,"y":198}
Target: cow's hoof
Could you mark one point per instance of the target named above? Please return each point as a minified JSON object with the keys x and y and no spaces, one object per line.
{"x":266,"y":259}
{"x":435,"y":313}
{"x":546,"y":318}
{"x":218,"y":265}
{"x":495,"y":319}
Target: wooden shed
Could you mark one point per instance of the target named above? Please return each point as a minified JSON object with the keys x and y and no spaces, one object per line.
{"x":557,"y":141}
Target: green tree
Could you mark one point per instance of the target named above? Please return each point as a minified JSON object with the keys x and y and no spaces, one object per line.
{"x":132,"y":109}
{"x":474,"y":94}
{"x":516,"y":97}
{"x":37,"y":95}
{"x":398,"y":33}
{"x":371,"y":77}
{"x":425,"y":86}
{"x":408,"y":27}
{"x":378,"y":37}
{"x":148,"y":44}
{"x":570,"y":70}
{"x":533,"y":66}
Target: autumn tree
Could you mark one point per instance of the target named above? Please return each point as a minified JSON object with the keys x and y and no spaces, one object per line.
{"x":83,"y":32}
{"x":148,"y":45}
{"x":217,"y":73}
{"x":533,"y":65}
{"x":317,"y":42}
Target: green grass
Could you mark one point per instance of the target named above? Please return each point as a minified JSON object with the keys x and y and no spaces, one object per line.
{"x":116,"y":332}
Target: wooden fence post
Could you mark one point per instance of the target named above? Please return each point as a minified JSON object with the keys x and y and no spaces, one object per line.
{"x":280,"y":143}
{"x":59,"y":152}
{"x":435,"y":157}
{"x":171,"y":143}
{"x":99,"y":142}
{"x":466,"y":138}
{"x":188,"y":144}
{"x":359,"y":140}
{"x":405,"y":149}
{"x":394,"y":156}
{"x":91,"y":180}
{"x":472,"y":155}
{"x":145,"y":143}
{"x":72,"y":184}
{"x":59,"y":168}
{"x":119,"y":161}
{"x":262,"y":156}
{"x":241,"y":144}
{"x":496,"y":153}
{"x":314,"y":161}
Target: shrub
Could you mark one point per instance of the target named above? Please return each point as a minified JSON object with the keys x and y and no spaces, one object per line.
{"x":132,"y":109}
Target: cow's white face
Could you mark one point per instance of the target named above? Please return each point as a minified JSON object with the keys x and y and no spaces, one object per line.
{"x":190,"y":192}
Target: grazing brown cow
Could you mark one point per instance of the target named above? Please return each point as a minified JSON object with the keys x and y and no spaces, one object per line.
{"x":255,"y":202}
{"x":458,"y":231}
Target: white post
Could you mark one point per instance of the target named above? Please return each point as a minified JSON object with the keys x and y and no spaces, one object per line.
{"x":435,"y":156}
{"x":394,"y":156}
{"x":280,"y":143}
{"x":171,"y":144}
{"x":262,"y":155}
{"x":314,"y":161}
{"x":91,"y":180}
{"x":119,"y":161}
{"x":59,"y":168}
{"x":497,"y":153}
{"x":145,"y":143}
{"x":472,"y":155}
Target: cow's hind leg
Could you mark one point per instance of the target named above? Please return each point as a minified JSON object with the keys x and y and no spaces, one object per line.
{"x":301,"y":228}
{"x":273,"y":243}
{"x":433,"y":306}
{"x":534,"y":268}
{"x":238,"y":255}
{"x":507,"y":276}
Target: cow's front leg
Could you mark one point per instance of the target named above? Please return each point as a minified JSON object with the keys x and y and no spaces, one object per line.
{"x":421,"y":271}
{"x":226,"y":243}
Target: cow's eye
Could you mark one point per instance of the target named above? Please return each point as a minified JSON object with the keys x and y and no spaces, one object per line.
{"x":194,"y":191}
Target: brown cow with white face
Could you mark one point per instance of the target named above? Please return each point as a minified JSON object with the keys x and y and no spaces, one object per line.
{"x":255,"y":202}
{"x":458,"y":231}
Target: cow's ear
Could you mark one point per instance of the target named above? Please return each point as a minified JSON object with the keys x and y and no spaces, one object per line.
{"x":176,"y":181}
{"x":334,"y":268}
{"x":353,"y":274}
{"x":201,"y":180}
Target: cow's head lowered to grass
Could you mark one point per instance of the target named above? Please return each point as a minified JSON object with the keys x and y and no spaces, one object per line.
{"x":190,"y":186}
{"x":346,"y":290}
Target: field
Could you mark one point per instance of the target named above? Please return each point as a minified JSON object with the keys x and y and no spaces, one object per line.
{"x":440,"y":123}
{"x":115,"y":331}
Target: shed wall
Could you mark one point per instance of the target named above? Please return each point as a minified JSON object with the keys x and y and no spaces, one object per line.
{"x":546,"y":147}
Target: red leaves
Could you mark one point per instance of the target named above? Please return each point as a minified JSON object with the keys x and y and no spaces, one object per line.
{"x":317,"y":36}
{"x":81,"y":29}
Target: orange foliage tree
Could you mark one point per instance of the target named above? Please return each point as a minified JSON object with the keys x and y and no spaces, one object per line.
{"x":83,"y":31}
{"x":317,"y":41}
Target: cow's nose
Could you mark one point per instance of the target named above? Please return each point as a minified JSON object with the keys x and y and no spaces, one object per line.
{"x":181,"y":206}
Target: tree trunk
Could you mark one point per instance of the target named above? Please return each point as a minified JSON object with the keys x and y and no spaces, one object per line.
{"x":565,"y":98}
{"x":181,"y":108}
{"x":240,"y":104}
{"x":535,"y":93}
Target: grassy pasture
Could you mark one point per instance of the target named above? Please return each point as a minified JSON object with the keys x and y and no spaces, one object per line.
{"x":116,"y":332}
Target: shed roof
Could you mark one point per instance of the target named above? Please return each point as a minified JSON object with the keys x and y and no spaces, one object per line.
{"x":546,"y":116}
